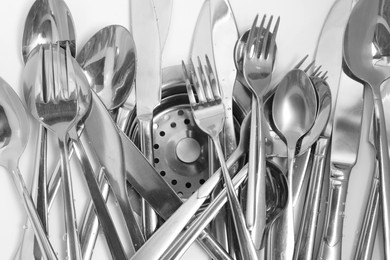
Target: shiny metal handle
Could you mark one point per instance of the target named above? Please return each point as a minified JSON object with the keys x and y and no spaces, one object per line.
{"x":330,"y":246}
{"x":44,"y":243}
{"x":369,"y":226}
{"x":149,"y":217}
{"x":89,"y":228}
{"x":212,"y":247}
{"x":305,"y":243}
{"x":256,"y":199}
{"x":381,"y":144}
{"x":72,"y":239}
{"x":39,"y":191}
{"x":177,"y":249}
{"x":229,"y":137}
{"x":99,"y":202}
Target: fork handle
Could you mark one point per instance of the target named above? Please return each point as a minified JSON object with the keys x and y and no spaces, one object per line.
{"x":72,"y":240}
{"x":149,"y":217}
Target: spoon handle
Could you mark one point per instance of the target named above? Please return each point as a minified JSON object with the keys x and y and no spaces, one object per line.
{"x":99,"y":202}
{"x":331,"y":242}
{"x":381,"y":144}
{"x":305,"y":243}
{"x":177,"y":249}
{"x":72,"y":239}
{"x":44,"y":243}
{"x":369,"y":225}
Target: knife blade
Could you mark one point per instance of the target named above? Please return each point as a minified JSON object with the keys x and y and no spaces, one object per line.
{"x":343,"y":155}
{"x":140,"y":173}
{"x":164,"y":13}
{"x":147,"y":85}
{"x":328,"y":54}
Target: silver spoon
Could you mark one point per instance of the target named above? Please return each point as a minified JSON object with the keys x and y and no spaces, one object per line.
{"x":14,"y":137}
{"x":294,"y":112}
{"x":48,"y":21}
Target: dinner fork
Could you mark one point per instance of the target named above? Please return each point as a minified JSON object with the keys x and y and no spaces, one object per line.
{"x":56,"y":107}
{"x":209,"y":115}
{"x":259,"y":59}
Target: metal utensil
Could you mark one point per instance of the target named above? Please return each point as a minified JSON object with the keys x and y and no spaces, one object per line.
{"x":148,"y":85}
{"x":109,"y":52}
{"x":328,"y":54}
{"x":357,"y":51}
{"x":15,"y":132}
{"x":39,"y":30}
{"x":182,"y":215}
{"x":54,"y":102}
{"x":259,"y":59}
{"x":276,"y":201}
{"x":293,"y":121}
{"x":48,"y":21}
{"x":343,"y":156}
{"x":209,"y":115}
{"x":163,"y":13}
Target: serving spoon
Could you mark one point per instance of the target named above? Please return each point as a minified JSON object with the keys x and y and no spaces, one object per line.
{"x":294,"y":112}
{"x":14,"y":137}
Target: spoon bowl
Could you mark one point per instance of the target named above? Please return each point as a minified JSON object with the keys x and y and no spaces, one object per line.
{"x":108,"y":60}
{"x":48,"y":21}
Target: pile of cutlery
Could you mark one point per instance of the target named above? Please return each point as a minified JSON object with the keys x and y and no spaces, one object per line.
{"x":219,"y":155}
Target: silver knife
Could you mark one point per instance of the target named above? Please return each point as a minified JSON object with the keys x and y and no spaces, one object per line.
{"x":148,"y":85}
{"x":164,"y":13}
{"x":344,"y":150}
{"x":329,"y":56}
{"x":140,"y":173}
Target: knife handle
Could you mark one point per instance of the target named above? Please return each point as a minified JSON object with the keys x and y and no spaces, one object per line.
{"x":149,"y":217}
{"x":330,"y":247}
{"x":306,"y":236}
{"x":369,"y":225}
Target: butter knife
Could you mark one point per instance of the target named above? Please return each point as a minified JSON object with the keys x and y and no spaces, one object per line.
{"x":329,"y":56}
{"x":148,"y":85}
{"x":344,"y":150}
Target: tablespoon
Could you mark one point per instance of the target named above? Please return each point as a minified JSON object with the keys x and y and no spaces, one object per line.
{"x":294,"y":112}
{"x":358,"y":60}
{"x":14,"y":137}
{"x":48,"y":21}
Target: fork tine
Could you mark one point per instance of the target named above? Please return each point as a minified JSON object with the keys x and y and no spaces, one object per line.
{"x":205,"y":80}
{"x":190,"y":92}
{"x":258,"y":42}
{"x":40,"y":82}
{"x":265,"y":39}
{"x":49,"y":74}
{"x":272,"y":46}
{"x":309,"y":66}
{"x":213,"y":82}
{"x":251,"y":37}
{"x":70,"y":74}
{"x":316,"y":72}
{"x":324,"y":75}
{"x":209,"y":76}
{"x":299,"y":64}
{"x":60,"y":83}
{"x":200,"y":82}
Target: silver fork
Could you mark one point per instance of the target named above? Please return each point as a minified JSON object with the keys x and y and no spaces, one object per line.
{"x":259,"y":58}
{"x":56,"y":107}
{"x":209,"y":115}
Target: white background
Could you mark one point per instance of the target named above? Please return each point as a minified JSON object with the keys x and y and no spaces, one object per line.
{"x":301,"y":21}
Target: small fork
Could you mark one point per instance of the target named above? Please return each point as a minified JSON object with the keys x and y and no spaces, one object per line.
{"x":209,"y":115}
{"x":55,"y":104}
